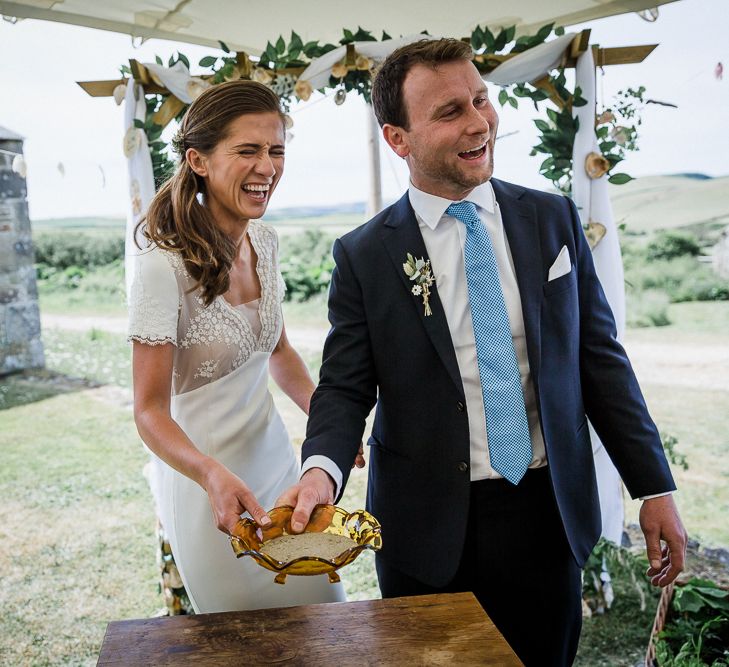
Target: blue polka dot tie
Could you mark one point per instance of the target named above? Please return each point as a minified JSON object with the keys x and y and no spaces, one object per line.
{"x":507,"y":428}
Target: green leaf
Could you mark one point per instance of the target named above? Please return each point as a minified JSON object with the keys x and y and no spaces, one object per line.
{"x":559,"y":31}
{"x":543,"y":33}
{"x":158,"y":60}
{"x":542,"y":125}
{"x":224,"y":47}
{"x":510,"y":32}
{"x":477,"y":38}
{"x":296,"y":42}
{"x":385,"y":36}
{"x":363,"y":35}
{"x":489,"y":40}
{"x":620,"y":179}
{"x":208,"y":61}
{"x":138,"y":122}
{"x":503,"y":96}
{"x":500,"y":40}
{"x":183,"y":58}
{"x":280,"y":46}
{"x":348,"y":36}
{"x":513,"y":102}
{"x":171,"y":61}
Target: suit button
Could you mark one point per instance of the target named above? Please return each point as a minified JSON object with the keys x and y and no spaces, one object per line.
{"x":462,"y":466}
{"x":460,"y":406}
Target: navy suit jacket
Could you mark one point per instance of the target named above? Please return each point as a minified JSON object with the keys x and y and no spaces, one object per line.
{"x":382,"y":349}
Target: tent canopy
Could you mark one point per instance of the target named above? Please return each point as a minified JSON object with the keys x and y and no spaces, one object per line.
{"x":245,"y":25}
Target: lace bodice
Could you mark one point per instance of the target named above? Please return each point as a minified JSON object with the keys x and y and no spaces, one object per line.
{"x":210,"y":341}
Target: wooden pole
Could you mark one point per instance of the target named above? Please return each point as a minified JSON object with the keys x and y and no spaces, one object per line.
{"x":374,"y":200}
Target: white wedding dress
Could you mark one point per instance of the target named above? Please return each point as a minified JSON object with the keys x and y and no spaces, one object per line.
{"x":220,"y":398}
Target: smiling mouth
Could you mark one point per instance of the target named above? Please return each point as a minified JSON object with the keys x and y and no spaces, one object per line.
{"x":256,"y":191}
{"x":474,"y":153}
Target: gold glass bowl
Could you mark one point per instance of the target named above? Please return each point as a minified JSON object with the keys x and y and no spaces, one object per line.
{"x":360,"y":526}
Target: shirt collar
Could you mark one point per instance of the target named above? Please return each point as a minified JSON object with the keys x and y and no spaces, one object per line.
{"x":431,"y":208}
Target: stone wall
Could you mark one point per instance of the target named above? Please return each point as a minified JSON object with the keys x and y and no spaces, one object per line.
{"x":20,"y":334}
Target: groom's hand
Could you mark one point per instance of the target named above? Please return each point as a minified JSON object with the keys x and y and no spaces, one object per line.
{"x":659,"y":520}
{"x":315,"y":487}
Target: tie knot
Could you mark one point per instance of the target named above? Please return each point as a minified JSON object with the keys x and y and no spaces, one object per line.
{"x":465,"y":211}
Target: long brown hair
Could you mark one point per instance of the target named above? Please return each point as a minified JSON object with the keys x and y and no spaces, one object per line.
{"x":176,"y":219}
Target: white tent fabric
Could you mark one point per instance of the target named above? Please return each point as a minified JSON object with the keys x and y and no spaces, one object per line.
{"x":593,"y":203}
{"x":246,"y":25}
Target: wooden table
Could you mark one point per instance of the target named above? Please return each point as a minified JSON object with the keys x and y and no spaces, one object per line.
{"x":446,"y":629}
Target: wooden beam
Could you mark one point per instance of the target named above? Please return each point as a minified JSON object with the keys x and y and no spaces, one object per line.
{"x":106,"y":88}
{"x":140,"y":72}
{"x":245,"y":67}
{"x":169,"y":109}
{"x":545,"y":84}
{"x":579,"y":43}
{"x":624,"y":55}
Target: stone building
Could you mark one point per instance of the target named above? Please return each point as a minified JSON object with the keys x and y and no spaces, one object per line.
{"x":20,"y":333}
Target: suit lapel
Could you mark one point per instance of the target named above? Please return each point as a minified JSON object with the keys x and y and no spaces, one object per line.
{"x":401,"y":235}
{"x":520,"y":224}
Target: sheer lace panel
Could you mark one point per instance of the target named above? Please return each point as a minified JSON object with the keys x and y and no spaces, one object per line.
{"x":213,"y":340}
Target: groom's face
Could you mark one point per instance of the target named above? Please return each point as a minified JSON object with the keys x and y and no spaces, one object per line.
{"x":449,"y":143}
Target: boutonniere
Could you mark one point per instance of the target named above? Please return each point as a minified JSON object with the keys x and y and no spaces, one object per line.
{"x":419,"y":272}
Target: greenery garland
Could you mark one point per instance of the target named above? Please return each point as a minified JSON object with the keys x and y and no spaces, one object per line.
{"x":282,"y":62}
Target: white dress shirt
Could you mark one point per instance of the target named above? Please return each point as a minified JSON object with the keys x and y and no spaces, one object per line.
{"x":445,"y":238}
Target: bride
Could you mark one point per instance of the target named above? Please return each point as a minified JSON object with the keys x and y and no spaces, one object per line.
{"x":206,"y":324}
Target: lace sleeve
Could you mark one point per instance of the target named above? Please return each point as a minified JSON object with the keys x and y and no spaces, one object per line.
{"x":154,"y":300}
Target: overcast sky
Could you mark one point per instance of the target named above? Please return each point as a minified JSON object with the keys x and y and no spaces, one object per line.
{"x":327,"y":160}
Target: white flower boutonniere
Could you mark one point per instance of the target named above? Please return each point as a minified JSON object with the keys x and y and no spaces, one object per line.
{"x":419,"y":272}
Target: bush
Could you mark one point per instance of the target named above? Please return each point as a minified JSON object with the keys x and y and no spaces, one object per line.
{"x":98,"y":283}
{"x":668,"y":245}
{"x":680,"y":278}
{"x":306,"y":264}
{"x":62,"y":250}
{"x":647,"y":308}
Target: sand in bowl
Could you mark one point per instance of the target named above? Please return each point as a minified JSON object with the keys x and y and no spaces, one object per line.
{"x":319,"y":545}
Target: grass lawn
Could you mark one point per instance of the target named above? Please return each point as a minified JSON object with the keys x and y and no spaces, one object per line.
{"x":77,"y":542}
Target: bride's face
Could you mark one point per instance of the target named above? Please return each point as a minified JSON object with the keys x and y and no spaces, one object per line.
{"x":244,"y":168}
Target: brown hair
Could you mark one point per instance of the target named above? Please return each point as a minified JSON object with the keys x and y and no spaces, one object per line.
{"x":387,"y":98}
{"x":176,"y":220}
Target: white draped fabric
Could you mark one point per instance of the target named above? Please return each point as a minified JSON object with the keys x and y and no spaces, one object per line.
{"x":593,"y":203}
{"x":139,"y":170}
{"x":532,"y":64}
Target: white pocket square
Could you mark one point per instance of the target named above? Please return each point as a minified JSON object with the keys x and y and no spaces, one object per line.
{"x":562,"y":265}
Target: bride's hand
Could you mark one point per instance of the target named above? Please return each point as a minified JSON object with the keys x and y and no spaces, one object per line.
{"x":230,"y":497}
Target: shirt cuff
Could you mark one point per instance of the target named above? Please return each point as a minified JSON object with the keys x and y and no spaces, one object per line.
{"x":328,"y":466}
{"x":656,"y":495}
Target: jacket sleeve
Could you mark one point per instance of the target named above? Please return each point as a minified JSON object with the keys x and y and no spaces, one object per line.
{"x":347,"y":388}
{"x":612,"y":397}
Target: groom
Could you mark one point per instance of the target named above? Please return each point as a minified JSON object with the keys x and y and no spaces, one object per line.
{"x":485,"y":360}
